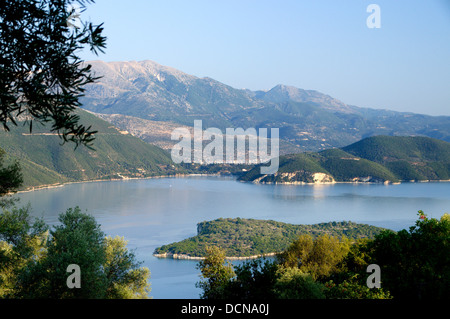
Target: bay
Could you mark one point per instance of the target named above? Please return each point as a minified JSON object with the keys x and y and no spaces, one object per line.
{"x":152,"y":212}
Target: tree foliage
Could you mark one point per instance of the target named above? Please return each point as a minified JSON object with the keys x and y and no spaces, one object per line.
{"x":415,"y":263}
{"x":77,"y":240}
{"x":215,"y":273}
{"x":255,"y":279}
{"x":293,"y":283}
{"x":125,"y":278}
{"x":10,"y":177}
{"x":353,"y":288}
{"x":41,"y":76}
{"x":34,"y":259}
{"x":319,"y":257}
{"x":22,"y":241}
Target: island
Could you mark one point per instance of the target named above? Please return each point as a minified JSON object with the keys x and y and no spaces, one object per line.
{"x":250,"y":238}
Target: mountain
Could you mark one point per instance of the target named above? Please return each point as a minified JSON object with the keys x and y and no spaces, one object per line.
{"x":284,"y":94}
{"x":155,"y":92}
{"x":373,"y":159}
{"x":117,"y":154}
{"x":308,"y":120}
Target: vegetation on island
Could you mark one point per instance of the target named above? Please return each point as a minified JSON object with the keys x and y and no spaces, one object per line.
{"x":239,"y":237}
{"x":414,"y":264}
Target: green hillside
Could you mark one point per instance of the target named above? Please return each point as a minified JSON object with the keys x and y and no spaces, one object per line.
{"x":345,"y":167}
{"x":409,"y":158}
{"x":374,"y":159}
{"x":382,"y":149}
{"x":249,"y":237}
{"x":116,"y":154}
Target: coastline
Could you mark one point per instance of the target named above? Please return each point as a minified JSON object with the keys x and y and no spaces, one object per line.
{"x":187,"y":257}
{"x":57,"y":185}
{"x":350,"y":182}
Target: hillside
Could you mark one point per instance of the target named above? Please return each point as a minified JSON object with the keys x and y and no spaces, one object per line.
{"x":116,"y":154}
{"x":250,"y":237}
{"x":308,"y":120}
{"x":374,"y":159}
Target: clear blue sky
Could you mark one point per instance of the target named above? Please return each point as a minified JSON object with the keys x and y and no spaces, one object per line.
{"x":322,"y":45}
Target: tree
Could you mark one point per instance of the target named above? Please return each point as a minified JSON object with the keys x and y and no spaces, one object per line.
{"x":297,"y":252}
{"x":10,"y":178}
{"x":352,"y":288}
{"x":21,"y":242}
{"x":319,"y":257}
{"x":415,"y":264}
{"x":295,"y":284}
{"x":34,"y":261}
{"x":215,"y":273}
{"x":41,"y":76}
{"x":255,"y":279}
{"x":78,"y":240}
{"x":125,"y":280}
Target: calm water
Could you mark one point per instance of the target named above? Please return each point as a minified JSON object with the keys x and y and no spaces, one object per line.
{"x":150,"y":213}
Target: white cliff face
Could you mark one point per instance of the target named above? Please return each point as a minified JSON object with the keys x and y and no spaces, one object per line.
{"x":320,"y":178}
{"x":296,"y":177}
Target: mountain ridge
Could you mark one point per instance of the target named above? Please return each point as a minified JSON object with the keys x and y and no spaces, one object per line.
{"x":309,"y":120}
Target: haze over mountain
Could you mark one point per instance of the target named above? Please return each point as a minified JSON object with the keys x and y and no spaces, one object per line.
{"x":308,"y":120}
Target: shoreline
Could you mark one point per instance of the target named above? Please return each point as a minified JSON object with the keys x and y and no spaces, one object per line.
{"x":355,"y":182}
{"x":187,"y":257}
{"x":51,"y":186}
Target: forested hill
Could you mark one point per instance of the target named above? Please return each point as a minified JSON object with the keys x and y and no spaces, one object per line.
{"x":116,"y":154}
{"x":240,"y":237}
{"x":384,"y":149}
{"x":374,"y":159}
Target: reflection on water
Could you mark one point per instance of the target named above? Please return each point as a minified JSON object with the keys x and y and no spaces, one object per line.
{"x":154,"y":212}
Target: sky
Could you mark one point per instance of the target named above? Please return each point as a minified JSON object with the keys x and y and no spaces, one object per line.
{"x":323,"y":45}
